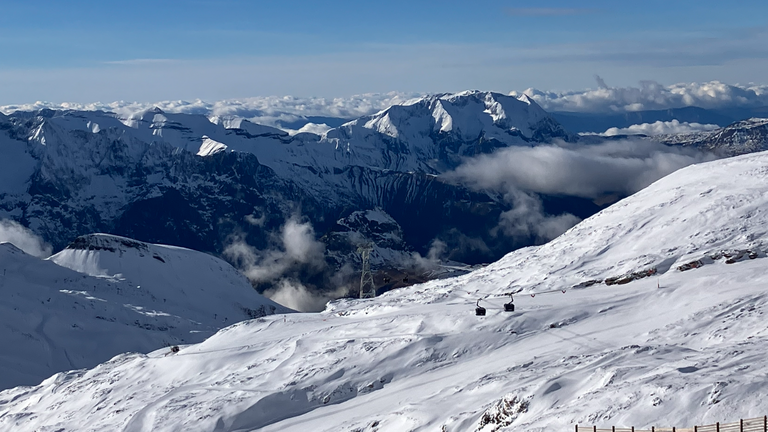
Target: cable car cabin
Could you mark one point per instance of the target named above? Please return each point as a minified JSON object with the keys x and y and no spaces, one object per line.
{"x":509,"y":307}
{"x":479,"y":310}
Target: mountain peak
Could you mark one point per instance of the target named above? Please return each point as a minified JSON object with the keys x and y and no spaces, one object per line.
{"x":468,"y":115}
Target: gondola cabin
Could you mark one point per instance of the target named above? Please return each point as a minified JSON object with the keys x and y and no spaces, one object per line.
{"x":479,"y":310}
{"x":509,"y":307}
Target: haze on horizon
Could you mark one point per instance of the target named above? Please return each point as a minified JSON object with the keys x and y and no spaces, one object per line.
{"x":86,"y":51}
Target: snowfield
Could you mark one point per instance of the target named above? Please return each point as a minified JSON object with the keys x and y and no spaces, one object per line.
{"x":660,"y":347}
{"x":104,"y":295}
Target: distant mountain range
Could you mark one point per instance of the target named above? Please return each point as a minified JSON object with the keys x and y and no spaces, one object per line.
{"x":203,"y":183}
{"x":193,"y":181}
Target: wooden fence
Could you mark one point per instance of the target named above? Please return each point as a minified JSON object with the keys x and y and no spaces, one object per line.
{"x":759,"y":424}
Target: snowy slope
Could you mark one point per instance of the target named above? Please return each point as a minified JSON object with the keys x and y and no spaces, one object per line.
{"x":105,"y":295}
{"x":675,"y":349}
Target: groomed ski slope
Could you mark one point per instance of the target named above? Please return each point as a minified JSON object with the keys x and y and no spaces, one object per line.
{"x":675,"y":349}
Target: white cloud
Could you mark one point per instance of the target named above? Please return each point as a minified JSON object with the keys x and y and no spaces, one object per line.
{"x":270,"y":110}
{"x":651,"y":95}
{"x":297,"y":247}
{"x":588,"y":171}
{"x":296,"y":296}
{"x":527,"y":219}
{"x":661,"y":128}
{"x":263,"y":110}
{"x":24,"y":239}
{"x":295,"y":253}
{"x":600,"y":172}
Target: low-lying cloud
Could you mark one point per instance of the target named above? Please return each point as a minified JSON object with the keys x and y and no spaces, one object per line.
{"x":598,"y":172}
{"x":296,"y":244}
{"x":293,"y":294}
{"x":276,"y":110}
{"x":661,"y":128}
{"x":267,"y":110}
{"x":650,"y":95}
{"x":527,"y":219}
{"x":295,"y":254}
{"x":587,"y":171}
{"x":24,"y":239}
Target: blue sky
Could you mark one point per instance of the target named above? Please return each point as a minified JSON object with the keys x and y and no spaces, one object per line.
{"x":84,"y":51}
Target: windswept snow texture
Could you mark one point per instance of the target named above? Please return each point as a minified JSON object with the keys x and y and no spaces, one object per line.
{"x":676,"y":349}
{"x":104,"y":295}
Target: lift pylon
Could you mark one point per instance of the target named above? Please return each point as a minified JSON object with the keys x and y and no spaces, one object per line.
{"x":367,"y":286}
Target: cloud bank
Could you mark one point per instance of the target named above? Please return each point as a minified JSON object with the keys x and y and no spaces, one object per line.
{"x":274,"y":110}
{"x":268,"y":110}
{"x":661,"y":128}
{"x":24,"y":239}
{"x":587,"y":171}
{"x":599,"y":172}
{"x":650,"y":95}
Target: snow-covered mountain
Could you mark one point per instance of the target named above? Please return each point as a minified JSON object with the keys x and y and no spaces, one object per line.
{"x":649,"y":313}
{"x":104,"y":295}
{"x":195,"y":181}
{"x":747,"y":136}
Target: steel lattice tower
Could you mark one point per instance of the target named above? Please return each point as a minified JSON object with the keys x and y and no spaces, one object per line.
{"x":367,"y":286}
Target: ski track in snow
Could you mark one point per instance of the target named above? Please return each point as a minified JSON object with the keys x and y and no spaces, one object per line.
{"x":675,"y":349}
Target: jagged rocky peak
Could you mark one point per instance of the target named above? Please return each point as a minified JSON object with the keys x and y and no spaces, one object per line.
{"x":467,"y":116}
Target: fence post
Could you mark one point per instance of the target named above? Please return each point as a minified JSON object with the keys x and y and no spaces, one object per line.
{"x":594,"y":428}
{"x":673,"y":429}
{"x":577,"y":428}
{"x":718,"y":426}
{"x":653,"y":428}
{"x":613,"y":428}
{"x":765,"y":424}
{"x":741,"y":425}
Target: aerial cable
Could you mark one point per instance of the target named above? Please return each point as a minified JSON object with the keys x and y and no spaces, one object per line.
{"x":508,"y":307}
